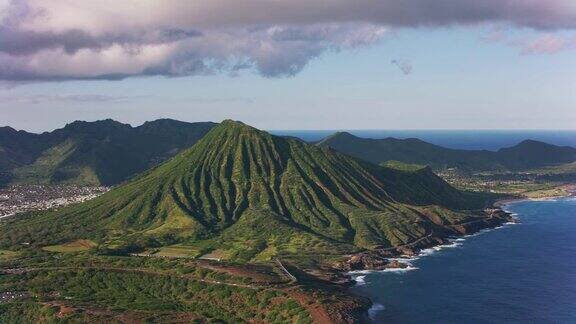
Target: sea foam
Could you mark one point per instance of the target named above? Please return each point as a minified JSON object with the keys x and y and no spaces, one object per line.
{"x":360,"y":275}
{"x":360,"y":280}
{"x":375,"y":309}
{"x":453,"y":244}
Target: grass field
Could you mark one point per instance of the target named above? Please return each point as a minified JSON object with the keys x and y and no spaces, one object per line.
{"x":402,"y":166}
{"x":557,"y":191}
{"x":75,"y":246}
{"x":558,"y":169}
{"x":6,"y":254}
{"x":215,"y":255}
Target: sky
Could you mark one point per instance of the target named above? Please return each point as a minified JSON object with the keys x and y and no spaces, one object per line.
{"x":278,"y":64}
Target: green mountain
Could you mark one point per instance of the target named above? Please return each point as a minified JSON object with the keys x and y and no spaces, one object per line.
{"x":250,"y":195}
{"x":18,"y":148}
{"x":93,"y":153}
{"x":534,"y":154}
{"x":527,"y":154}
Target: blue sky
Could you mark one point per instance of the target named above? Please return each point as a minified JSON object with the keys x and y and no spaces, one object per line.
{"x":462,"y":77}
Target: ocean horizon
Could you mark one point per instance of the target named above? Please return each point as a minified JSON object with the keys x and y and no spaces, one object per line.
{"x":457,"y":139}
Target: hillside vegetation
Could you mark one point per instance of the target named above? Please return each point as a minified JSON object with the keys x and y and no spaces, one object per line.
{"x":248,"y":195}
{"x":87,"y":288}
{"x":92,"y":153}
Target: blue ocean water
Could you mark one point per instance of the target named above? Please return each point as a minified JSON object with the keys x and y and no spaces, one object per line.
{"x":459,"y":139}
{"x":519,"y":273}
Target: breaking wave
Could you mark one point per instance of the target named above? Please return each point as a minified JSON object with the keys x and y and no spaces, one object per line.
{"x":360,"y":280}
{"x":375,"y":309}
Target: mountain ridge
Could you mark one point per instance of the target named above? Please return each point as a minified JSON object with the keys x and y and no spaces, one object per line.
{"x":526,"y":154}
{"x":103,"y":152}
{"x":107,"y":152}
{"x":251,"y":196}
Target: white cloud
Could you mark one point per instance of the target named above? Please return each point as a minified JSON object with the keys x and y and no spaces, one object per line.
{"x":73,"y":98}
{"x":110,"y":39}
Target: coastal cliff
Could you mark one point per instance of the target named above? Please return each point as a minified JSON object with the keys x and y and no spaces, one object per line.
{"x":381,"y":259}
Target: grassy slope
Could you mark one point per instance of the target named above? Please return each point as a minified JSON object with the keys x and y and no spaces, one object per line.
{"x":402,"y":166}
{"x":253,"y":196}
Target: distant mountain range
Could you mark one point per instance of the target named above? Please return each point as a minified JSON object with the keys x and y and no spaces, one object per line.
{"x":251,"y":196}
{"x":526,"y":155}
{"x":108,"y":152}
{"x":93,"y":153}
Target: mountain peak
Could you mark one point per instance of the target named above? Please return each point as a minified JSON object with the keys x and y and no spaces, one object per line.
{"x":531,"y":144}
{"x":98,"y":124}
{"x":234,"y":123}
{"x":162,"y":121}
{"x":343,"y":134}
{"x":336,"y":137}
{"x":240,"y":183}
{"x":231,"y":121}
{"x":7,"y":129}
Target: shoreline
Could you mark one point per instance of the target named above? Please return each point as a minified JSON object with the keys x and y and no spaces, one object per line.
{"x":568,"y":189}
{"x":404,"y":263}
{"x":359,"y":275}
{"x":397,"y":259}
{"x":388,"y":258}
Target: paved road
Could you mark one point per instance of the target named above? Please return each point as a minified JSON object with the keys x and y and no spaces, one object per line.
{"x":283,"y":268}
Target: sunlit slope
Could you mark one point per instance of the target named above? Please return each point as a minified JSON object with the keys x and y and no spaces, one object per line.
{"x":239,"y":183}
{"x":103,"y":152}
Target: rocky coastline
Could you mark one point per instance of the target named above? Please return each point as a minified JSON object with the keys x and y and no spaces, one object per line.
{"x":387,"y":258}
{"x":376,"y":261}
{"x":382,"y":259}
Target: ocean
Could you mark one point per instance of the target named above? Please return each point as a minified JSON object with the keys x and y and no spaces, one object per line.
{"x":458,"y":139}
{"x":518,"y":273}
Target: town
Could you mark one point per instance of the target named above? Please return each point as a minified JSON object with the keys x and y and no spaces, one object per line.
{"x":17,"y":199}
